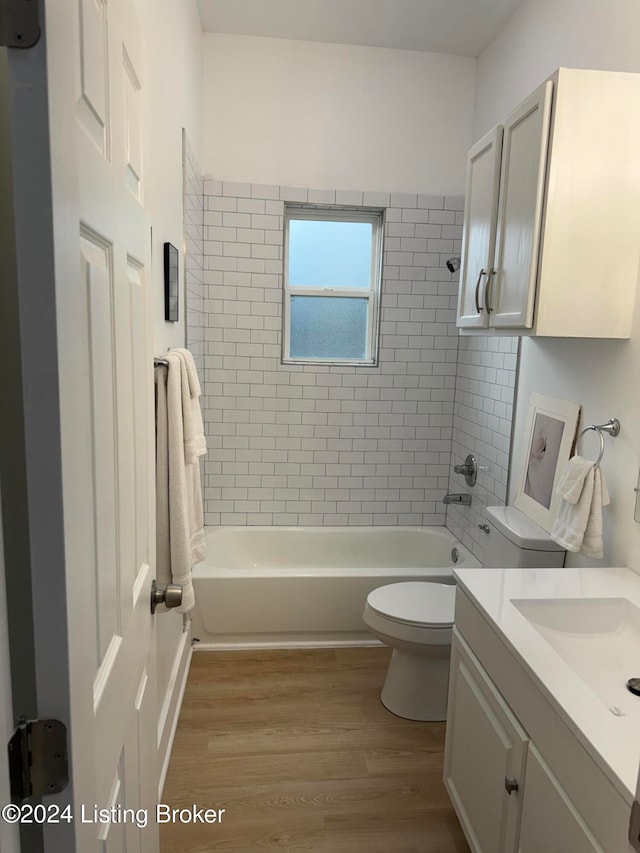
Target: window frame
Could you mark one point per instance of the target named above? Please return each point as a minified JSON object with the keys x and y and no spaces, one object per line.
{"x":336,"y":213}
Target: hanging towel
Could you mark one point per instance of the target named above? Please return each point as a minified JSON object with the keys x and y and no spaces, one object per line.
{"x":593,"y":544}
{"x":578,"y":524}
{"x":179,"y":517}
{"x":195,"y":443}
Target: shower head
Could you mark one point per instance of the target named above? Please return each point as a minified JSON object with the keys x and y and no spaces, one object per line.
{"x":453,"y":264}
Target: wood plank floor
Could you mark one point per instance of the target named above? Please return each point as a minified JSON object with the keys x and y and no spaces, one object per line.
{"x":298,"y":749}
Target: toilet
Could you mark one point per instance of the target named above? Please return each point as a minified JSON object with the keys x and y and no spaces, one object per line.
{"x":415,"y":618}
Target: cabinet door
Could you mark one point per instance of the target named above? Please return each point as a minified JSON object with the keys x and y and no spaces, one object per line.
{"x":550,"y":822}
{"x":511,"y":296}
{"x":479,"y":234}
{"x":485,"y":745}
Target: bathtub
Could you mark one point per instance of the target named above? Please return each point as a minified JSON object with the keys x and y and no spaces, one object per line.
{"x":297,"y":587}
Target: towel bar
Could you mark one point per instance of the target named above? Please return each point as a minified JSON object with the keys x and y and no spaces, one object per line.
{"x":612,"y":427}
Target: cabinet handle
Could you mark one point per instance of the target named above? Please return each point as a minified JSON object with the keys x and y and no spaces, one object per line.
{"x":486,"y":292}
{"x":478,"y":306}
{"x":510,"y":785}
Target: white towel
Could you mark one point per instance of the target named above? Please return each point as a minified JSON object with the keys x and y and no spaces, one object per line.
{"x":179,"y":517}
{"x":593,"y":544}
{"x":195,"y":444}
{"x":578,"y":524}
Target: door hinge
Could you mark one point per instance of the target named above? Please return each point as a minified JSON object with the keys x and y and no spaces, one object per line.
{"x":38,"y":759}
{"x":19,"y":23}
{"x":634,"y":826}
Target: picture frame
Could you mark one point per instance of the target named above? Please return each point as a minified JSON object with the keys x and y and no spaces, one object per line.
{"x":550,"y":436}
{"x":171,"y":278}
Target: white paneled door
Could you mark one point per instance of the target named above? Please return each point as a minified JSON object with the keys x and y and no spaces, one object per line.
{"x":101,"y":245}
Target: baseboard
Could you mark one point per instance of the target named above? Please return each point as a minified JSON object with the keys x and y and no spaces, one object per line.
{"x":171,"y":705}
{"x":256,"y":645}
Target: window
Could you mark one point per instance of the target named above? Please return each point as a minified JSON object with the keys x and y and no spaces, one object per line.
{"x":333,"y":267}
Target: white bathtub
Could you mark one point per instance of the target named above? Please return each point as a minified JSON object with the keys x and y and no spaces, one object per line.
{"x":292,"y":587}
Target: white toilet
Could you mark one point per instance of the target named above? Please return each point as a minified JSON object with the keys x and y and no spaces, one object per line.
{"x":415,"y":618}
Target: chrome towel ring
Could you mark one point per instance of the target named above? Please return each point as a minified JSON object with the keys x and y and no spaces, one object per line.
{"x":612,"y":427}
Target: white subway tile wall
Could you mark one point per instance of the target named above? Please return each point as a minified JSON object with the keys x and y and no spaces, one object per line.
{"x":194,"y":253}
{"x":483,"y":413}
{"x":321,"y":445}
{"x":337,"y":446}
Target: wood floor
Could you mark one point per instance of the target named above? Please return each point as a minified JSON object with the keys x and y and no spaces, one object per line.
{"x":299,"y":751}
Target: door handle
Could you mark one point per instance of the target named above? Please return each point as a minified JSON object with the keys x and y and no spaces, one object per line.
{"x":170,"y":596}
{"x":510,"y":785}
{"x":486,"y":292}
{"x":478,"y":306}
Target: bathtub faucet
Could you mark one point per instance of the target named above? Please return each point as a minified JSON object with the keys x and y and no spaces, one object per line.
{"x":463,"y":499}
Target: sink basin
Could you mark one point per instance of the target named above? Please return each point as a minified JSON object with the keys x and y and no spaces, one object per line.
{"x":599,"y":638}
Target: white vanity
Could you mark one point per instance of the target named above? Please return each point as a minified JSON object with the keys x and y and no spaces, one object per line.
{"x":543,"y":738}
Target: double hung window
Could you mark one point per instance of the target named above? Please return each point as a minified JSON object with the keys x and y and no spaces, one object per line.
{"x":333,"y":268}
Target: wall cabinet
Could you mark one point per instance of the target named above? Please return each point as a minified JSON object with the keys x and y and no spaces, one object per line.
{"x":552,"y":214}
{"x":506,"y":795}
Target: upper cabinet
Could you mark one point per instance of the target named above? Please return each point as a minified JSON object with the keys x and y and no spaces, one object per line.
{"x":551,"y":242}
{"x":478,"y":247}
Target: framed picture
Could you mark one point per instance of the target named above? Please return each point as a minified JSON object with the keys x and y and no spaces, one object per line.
{"x":550,"y":435}
{"x":170,"y":283}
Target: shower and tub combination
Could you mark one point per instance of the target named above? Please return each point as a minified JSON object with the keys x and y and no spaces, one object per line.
{"x":270,"y":587}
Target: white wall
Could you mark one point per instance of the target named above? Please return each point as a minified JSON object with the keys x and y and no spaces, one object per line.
{"x":173,"y":46}
{"x":172,"y":42}
{"x":542,"y":35}
{"x":602,"y":375}
{"x":335,"y":116}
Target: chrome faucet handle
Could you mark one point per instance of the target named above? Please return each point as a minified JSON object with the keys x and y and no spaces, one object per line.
{"x":469,"y":469}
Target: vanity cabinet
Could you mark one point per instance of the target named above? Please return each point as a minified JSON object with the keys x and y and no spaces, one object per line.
{"x":553,"y":211}
{"x":486,"y":748}
{"x":505,"y":795}
{"x":518,"y":778}
{"x":550,"y":821}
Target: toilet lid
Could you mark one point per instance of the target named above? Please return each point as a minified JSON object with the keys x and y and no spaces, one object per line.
{"x":417,"y":603}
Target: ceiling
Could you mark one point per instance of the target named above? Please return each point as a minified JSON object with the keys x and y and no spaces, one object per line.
{"x":462,"y":27}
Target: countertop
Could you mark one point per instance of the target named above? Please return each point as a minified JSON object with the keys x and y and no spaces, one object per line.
{"x":613,"y":741}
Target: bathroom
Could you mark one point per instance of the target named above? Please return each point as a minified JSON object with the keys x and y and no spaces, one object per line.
{"x":251,"y":111}
{"x":315,"y":446}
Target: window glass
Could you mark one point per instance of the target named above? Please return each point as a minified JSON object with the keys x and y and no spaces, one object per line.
{"x":325,"y":253}
{"x":331,"y":327}
{"x":332,"y":284}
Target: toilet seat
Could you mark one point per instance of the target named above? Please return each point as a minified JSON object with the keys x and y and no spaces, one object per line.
{"x":415,"y":603}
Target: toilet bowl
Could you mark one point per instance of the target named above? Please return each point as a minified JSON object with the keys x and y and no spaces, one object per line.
{"x":416,"y":618}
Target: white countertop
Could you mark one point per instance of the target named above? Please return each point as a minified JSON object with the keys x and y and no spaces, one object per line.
{"x":613,"y":741}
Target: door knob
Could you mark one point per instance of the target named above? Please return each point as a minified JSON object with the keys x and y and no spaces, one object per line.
{"x":170,"y":596}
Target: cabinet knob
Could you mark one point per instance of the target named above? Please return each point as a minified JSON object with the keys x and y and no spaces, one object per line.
{"x":510,"y":785}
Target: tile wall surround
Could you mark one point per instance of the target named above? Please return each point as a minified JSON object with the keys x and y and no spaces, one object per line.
{"x":483,"y":411}
{"x":319,"y":445}
{"x":193,"y":201}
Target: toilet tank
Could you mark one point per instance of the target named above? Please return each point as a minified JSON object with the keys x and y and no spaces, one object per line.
{"x":514,"y":540}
